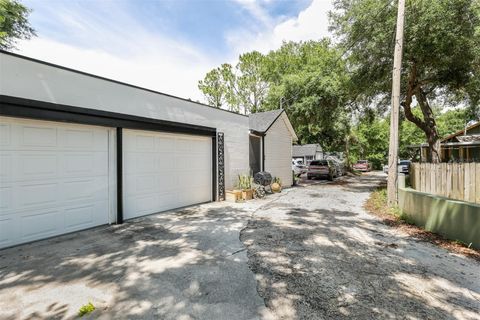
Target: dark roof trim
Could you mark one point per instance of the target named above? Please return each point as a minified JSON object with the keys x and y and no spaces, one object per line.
{"x":257,"y":133}
{"x":111,"y":80}
{"x":34,"y":109}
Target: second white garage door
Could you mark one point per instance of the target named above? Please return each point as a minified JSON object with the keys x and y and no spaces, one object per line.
{"x":165,"y":171}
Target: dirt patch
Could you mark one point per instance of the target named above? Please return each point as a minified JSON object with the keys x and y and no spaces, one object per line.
{"x":376,"y":205}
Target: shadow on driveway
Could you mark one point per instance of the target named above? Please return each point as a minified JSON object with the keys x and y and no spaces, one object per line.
{"x":182,"y":264}
{"x":318,"y":255}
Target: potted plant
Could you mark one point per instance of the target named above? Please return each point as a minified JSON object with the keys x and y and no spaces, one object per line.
{"x":244,"y":183}
{"x":276,"y":185}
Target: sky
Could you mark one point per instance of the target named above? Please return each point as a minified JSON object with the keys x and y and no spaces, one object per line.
{"x":165,"y":45}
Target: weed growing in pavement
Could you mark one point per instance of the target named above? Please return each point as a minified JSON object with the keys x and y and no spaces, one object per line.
{"x":86,"y":309}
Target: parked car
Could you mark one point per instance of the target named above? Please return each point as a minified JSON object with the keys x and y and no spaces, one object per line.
{"x":298,"y":167}
{"x":403,"y":166}
{"x":339,"y":166}
{"x":321,"y":169}
{"x":362,"y":165}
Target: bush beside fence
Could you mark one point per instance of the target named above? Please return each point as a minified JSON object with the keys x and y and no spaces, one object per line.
{"x":459,"y":181}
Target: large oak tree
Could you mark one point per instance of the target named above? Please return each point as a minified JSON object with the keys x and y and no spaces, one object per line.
{"x":441,"y":54}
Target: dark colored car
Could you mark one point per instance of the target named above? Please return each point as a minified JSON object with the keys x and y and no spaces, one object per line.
{"x":321,"y":169}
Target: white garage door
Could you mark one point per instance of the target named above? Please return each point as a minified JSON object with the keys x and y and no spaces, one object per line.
{"x":54,"y":179}
{"x":164,"y":171}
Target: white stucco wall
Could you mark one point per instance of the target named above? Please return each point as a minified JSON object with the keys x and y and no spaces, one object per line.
{"x":278,"y":152}
{"x":33,"y":80}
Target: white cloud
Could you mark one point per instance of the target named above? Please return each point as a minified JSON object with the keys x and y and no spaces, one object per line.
{"x":310,"y":24}
{"x":173,"y":70}
{"x":159,"y":61}
{"x":256,"y":10}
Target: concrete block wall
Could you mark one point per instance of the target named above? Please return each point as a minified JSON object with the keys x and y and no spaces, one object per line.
{"x":454,"y":219}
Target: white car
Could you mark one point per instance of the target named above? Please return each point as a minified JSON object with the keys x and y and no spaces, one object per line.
{"x":298,"y":167}
{"x":402,"y":166}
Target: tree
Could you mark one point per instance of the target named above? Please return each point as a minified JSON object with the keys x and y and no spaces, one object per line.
{"x":213,"y":88}
{"x":307,"y":79}
{"x":441,"y":47}
{"x":370,"y":138}
{"x":251,"y":86}
{"x":14,"y":23}
{"x":311,"y":80}
{"x":242,"y":89}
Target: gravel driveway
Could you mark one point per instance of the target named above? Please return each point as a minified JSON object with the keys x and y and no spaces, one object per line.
{"x":318,"y":255}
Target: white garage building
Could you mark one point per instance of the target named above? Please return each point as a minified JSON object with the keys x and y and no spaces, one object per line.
{"x":78,"y":151}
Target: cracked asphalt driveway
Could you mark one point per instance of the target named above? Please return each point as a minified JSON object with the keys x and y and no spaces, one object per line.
{"x":318,"y":255}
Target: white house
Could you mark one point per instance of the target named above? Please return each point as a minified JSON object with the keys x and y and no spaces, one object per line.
{"x":271,"y":141}
{"x":78,"y":150}
{"x":307,"y":152}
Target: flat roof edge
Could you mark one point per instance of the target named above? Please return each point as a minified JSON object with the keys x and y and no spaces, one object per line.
{"x":113,"y":81}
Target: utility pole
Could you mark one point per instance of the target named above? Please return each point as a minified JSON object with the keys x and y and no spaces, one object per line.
{"x":392,"y":186}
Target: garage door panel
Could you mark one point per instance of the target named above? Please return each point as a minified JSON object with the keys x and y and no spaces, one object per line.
{"x":168,"y":181}
{"x":182,"y":164}
{"x":144,"y":204}
{"x":145,"y":143}
{"x":38,"y":136}
{"x":81,"y":139}
{"x":83,"y":189}
{"x":54,"y":179}
{"x":5,"y":134}
{"x":38,"y":194}
{"x":36,"y":165}
{"x":6,"y":195}
{"x":166,"y":145}
{"x":81,"y":217}
{"x":6,"y":168}
{"x":7,"y":228}
{"x":41,"y":224}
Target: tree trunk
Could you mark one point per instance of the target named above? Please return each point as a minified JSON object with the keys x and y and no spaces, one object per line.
{"x":431,"y":131}
{"x":427,"y":124}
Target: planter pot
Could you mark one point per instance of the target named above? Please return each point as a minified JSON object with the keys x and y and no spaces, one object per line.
{"x":233,"y":195}
{"x":247,"y":194}
{"x":276,"y":187}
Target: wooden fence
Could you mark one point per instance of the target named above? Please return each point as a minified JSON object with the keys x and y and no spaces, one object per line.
{"x":459,"y":181}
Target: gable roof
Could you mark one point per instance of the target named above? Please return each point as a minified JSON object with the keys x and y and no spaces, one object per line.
{"x":305,"y":150}
{"x":461,"y":132}
{"x":262,"y":121}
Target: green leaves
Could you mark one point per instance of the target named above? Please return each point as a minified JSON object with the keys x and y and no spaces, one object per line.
{"x":441,"y":39}
{"x":240,"y":89}
{"x":13,"y":23}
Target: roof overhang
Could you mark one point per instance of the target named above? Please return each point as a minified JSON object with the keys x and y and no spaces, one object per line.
{"x":461,"y":132}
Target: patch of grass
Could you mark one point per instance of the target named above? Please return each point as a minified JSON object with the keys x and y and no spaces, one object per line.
{"x":86,"y":309}
{"x":376,"y":204}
